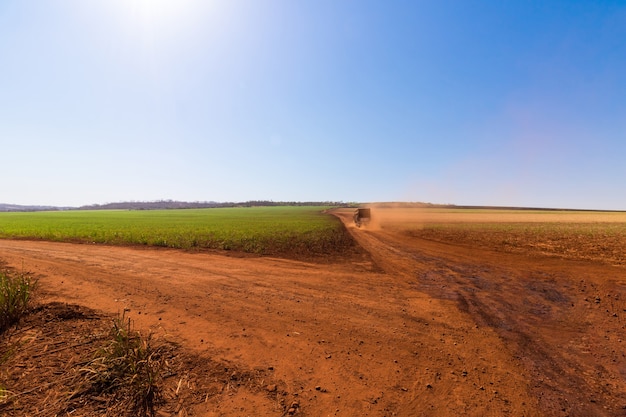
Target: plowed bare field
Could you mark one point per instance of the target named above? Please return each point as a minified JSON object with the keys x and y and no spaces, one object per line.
{"x":416,"y":325}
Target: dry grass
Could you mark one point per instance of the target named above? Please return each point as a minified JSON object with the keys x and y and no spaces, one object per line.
{"x":580,"y":235}
{"x":601,"y":242}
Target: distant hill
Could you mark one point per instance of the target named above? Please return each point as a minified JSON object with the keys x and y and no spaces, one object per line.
{"x":16,"y":207}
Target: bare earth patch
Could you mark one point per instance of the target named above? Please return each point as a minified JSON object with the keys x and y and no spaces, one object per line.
{"x":44,"y":361}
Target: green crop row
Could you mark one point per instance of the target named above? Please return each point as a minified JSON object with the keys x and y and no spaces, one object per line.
{"x":260,"y":230}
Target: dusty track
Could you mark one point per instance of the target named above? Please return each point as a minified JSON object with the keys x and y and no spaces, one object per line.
{"x":425,"y":329}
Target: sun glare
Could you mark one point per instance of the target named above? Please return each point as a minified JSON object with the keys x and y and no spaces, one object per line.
{"x":157,"y":11}
{"x":154,"y":19}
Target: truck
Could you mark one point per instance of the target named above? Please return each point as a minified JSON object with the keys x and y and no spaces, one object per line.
{"x":362,"y":216}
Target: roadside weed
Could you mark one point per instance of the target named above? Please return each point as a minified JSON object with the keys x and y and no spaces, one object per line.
{"x":15,"y":295}
{"x":128,"y":367}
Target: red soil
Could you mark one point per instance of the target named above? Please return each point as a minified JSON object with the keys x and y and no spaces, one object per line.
{"x":413,"y":327}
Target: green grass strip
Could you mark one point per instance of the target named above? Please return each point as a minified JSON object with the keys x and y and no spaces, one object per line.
{"x":260,"y":230}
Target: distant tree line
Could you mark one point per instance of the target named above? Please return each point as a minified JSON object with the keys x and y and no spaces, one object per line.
{"x":171,"y":204}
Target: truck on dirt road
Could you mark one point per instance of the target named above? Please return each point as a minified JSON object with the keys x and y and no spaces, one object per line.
{"x":362,"y":216}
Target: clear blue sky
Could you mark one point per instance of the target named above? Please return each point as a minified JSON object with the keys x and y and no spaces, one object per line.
{"x":465,"y":102}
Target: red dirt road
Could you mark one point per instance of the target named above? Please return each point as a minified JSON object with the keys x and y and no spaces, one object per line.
{"x":416,"y":329}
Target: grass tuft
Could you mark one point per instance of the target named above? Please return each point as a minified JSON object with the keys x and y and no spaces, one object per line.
{"x":128,"y":367}
{"x":15,"y":295}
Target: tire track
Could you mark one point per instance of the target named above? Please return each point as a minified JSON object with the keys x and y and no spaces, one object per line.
{"x":535,"y":306}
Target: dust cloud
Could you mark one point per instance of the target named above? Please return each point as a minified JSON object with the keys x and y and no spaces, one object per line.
{"x":412,"y":216}
{"x":394,"y":215}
